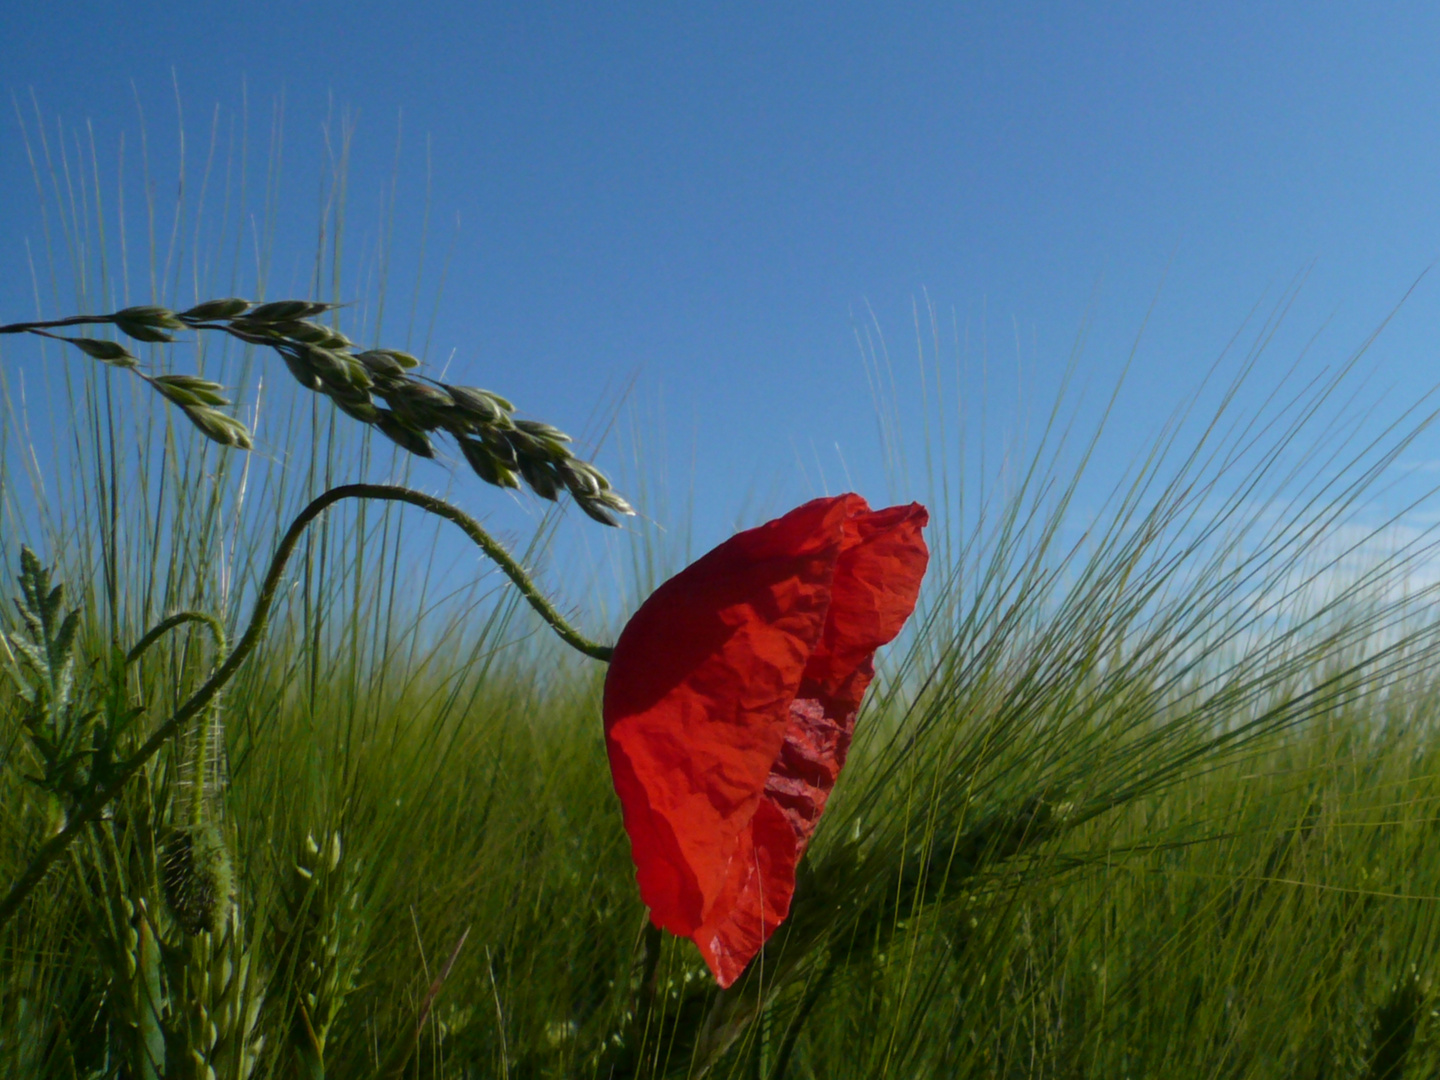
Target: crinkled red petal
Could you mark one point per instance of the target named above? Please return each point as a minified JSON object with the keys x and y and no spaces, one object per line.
{"x":877,"y":579}
{"x":697,"y":701}
{"x":730,"y":704}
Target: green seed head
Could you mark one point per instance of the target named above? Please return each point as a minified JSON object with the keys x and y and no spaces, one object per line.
{"x":111,"y":352}
{"x":227,"y":308}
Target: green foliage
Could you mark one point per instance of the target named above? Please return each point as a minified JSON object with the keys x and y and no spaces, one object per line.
{"x":42,"y":667}
{"x":73,"y":745}
{"x":1056,"y":851}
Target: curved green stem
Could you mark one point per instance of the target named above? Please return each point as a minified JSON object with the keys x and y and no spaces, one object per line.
{"x":202,"y":741}
{"x":164,"y":626}
{"x":492,"y":548}
{"x":90,"y":809}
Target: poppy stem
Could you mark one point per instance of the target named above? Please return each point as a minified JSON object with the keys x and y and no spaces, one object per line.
{"x":487,"y":543}
{"x":117,"y":776}
{"x":645,"y":1000}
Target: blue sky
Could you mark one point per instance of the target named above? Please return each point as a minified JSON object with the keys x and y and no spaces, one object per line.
{"x":700,"y":202}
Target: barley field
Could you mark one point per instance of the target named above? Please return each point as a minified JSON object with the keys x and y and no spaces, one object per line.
{"x":1157,"y":795}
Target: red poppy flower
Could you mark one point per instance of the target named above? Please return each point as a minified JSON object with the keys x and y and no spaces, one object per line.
{"x":730,"y":704}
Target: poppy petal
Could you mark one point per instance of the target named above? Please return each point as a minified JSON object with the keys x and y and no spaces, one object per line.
{"x":876,"y":583}
{"x":730,"y":704}
{"x":697,"y":701}
{"x":877,"y":579}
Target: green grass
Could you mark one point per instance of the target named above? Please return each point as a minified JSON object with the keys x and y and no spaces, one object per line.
{"x":1083,"y":833}
{"x":1152,"y":797}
